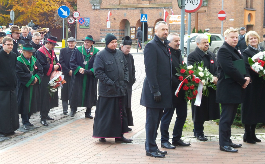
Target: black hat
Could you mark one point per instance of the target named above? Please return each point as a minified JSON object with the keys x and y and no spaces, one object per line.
{"x":89,"y":37}
{"x":109,"y":37}
{"x":242,"y":28}
{"x":35,"y":27}
{"x":2,"y":34}
{"x":126,"y":40}
{"x":52,"y":39}
{"x":28,"y":47}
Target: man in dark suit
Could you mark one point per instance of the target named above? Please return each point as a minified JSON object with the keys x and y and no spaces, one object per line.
{"x":241,"y":45}
{"x":156,"y":93}
{"x":64,"y":60}
{"x":25,"y":34}
{"x":179,"y":103}
{"x":209,"y":109}
{"x":230,"y":88}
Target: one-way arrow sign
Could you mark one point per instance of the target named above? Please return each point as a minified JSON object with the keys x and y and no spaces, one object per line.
{"x":63,"y":11}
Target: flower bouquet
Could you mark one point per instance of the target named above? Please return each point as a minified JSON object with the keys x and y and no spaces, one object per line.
{"x":191,"y":84}
{"x":206,"y":78}
{"x":257,"y":63}
{"x":56,"y":81}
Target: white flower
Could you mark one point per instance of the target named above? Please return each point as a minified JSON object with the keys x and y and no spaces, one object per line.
{"x":204,"y":87}
{"x":190,"y":67}
{"x":257,"y":67}
{"x":53,"y":89}
{"x":203,"y":82}
{"x":259,"y":55}
{"x":200,"y":68}
{"x":201,"y":74}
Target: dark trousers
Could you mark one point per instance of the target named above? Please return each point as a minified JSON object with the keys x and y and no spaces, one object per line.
{"x":139,"y":43}
{"x":226,"y":120}
{"x":181,"y":111}
{"x":25,"y":119}
{"x":65,"y":105}
{"x":198,"y":128}
{"x":153,"y":117}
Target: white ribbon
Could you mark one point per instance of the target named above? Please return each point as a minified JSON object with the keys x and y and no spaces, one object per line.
{"x":199,"y":94}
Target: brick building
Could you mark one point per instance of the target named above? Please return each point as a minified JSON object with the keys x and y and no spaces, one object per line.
{"x":125,"y":16}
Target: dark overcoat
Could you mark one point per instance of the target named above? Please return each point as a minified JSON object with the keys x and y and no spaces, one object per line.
{"x":158,"y":75}
{"x":28,"y":95}
{"x":229,"y":90}
{"x":209,"y":109}
{"x":16,"y":45}
{"x":253,"y":106}
{"x":241,"y":45}
{"x":64,"y":60}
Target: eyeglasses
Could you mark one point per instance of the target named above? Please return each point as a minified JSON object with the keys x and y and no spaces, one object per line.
{"x":41,"y":32}
{"x":9,"y":44}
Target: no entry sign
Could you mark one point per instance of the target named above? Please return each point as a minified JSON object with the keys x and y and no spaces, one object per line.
{"x":221,"y":15}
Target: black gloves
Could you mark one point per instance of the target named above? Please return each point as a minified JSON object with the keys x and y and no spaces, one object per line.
{"x":88,"y":72}
{"x":157,"y":96}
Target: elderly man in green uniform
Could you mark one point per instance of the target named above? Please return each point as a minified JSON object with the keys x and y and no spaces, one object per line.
{"x":84,"y":84}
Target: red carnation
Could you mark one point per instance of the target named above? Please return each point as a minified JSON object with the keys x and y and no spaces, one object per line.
{"x":185,"y":88}
{"x":189,"y":98}
{"x":193,"y":78}
{"x":186,"y":81}
{"x":182,"y":71}
{"x":261,"y":63}
{"x":192,"y":87}
{"x":181,"y":78}
{"x":197,"y":80}
{"x":195,"y":92}
{"x":191,"y":72}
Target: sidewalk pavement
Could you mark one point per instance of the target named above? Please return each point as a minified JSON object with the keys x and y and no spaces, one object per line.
{"x":69,"y":141}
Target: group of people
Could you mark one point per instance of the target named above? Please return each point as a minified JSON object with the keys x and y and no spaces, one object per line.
{"x":162,"y":56}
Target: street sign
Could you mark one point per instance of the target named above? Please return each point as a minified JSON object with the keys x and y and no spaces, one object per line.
{"x":143,"y":18}
{"x":76,"y":14}
{"x":63,"y":11}
{"x":175,"y":19}
{"x":192,"y":6}
{"x":12,"y":15}
{"x":221,"y":15}
{"x":71,"y":20}
{"x":81,"y":20}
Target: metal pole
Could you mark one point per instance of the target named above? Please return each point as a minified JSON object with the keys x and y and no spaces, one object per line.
{"x":189,"y":28}
{"x":75,"y":28}
{"x":182,"y":29}
{"x":63,"y":28}
{"x":222,"y":24}
{"x":143,"y":38}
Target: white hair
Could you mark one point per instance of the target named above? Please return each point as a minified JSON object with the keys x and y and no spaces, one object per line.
{"x":200,"y":37}
{"x":171,"y":35}
{"x":36,"y":34}
{"x":158,"y":23}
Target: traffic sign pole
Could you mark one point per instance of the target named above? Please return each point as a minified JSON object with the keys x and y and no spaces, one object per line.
{"x":182,"y":28}
{"x":143,"y":38}
{"x":222,"y":24}
{"x":189,"y":28}
{"x":63,"y":28}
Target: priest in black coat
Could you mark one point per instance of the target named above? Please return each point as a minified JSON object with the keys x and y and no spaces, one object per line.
{"x":29,"y":73}
{"x":47,"y":58}
{"x":209,"y":109}
{"x":9,"y":119}
{"x":84,"y":84}
{"x":230,"y":87}
{"x":125,"y":48}
{"x":64,"y":59}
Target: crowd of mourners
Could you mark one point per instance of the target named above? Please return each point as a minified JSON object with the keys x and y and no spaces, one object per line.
{"x":104,"y":79}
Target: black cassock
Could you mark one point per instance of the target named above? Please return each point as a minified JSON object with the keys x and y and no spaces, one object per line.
{"x":84,"y":87}
{"x":128,"y":97}
{"x":64,"y":59}
{"x":209,"y":109}
{"x":28,"y":95}
{"x":47,"y":60}
{"x":9,"y":120}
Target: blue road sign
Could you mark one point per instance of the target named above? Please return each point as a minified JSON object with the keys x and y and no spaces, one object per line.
{"x":63,"y":11}
{"x":81,"y":21}
{"x":143,"y":18}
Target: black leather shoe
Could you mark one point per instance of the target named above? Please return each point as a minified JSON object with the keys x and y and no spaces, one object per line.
{"x":72,"y":114}
{"x":30,"y":124}
{"x":89,"y":116}
{"x":102,"y":140}
{"x":180,"y":143}
{"x":49,"y":118}
{"x":44,"y":123}
{"x":201,"y":138}
{"x":167,"y":145}
{"x":162,"y":152}
{"x":129,"y":129}
{"x":65,"y":112}
{"x":25,"y":127}
{"x":228,"y":149}
{"x":235,"y":145}
{"x":123,"y":139}
{"x":155,"y":154}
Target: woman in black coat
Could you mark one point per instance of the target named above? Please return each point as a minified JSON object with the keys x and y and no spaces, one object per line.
{"x":253,"y":111}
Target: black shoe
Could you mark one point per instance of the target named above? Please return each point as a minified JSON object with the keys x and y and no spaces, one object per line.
{"x":89,"y":116}
{"x":30,"y":124}
{"x":25,"y":127}
{"x":102,"y":140}
{"x":155,"y":154}
{"x":72,"y":114}
{"x":235,"y":145}
{"x":180,"y":143}
{"x":228,"y":149}
{"x":201,"y":138}
{"x":129,"y":129}
{"x":123,"y":139}
{"x":49,"y":118}
{"x":248,"y":138}
{"x":162,"y":152}
{"x":254,"y":137}
{"x":44,"y":123}
{"x":65,"y":112}
{"x":167,"y":145}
